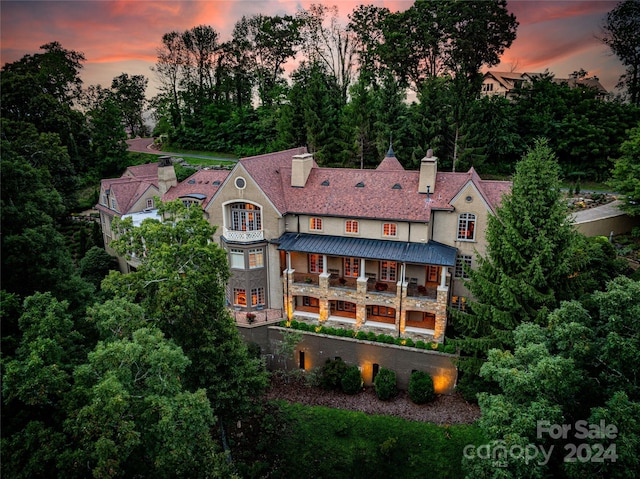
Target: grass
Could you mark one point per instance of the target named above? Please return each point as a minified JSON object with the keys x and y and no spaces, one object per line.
{"x":142,"y":158}
{"x":181,"y":151}
{"x":331,"y":443}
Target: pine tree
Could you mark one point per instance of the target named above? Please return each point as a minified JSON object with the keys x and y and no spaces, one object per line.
{"x":529,"y":263}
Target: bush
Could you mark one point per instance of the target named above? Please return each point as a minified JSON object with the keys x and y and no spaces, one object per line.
{"x":351,"y":381}
{"x":361,"y":335}
{"x":421,"y":388}
{"x":450,"y":348}
{"x":385,"y":384}
{"x":421,"y":344}
{"x":332,"y":372}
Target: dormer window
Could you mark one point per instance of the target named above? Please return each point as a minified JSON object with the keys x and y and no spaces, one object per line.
{"x":360,"y":185}
{"x":113,"y":203}
{"x":150,"y":203}
{"x":105,"y":201}
{"x":389,"y":229}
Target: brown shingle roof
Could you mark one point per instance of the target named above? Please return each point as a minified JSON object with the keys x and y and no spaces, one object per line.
{"x":383,"y":193}
{"x":202,"y":182}
{"x":128,"y":189}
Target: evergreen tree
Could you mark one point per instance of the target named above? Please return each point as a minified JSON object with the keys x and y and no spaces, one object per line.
{"x":529,"y":263}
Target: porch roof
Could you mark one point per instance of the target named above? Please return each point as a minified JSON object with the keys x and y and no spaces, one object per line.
{"x":400,"y":251}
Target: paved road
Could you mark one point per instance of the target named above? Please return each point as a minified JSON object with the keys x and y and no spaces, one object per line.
{"x":142,"y":145}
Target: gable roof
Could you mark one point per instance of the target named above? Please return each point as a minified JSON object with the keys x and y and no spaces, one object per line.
{"x":128,"y":189}
{"x":509,"y":80}
{"x":140,"y":171}
{"x":390,"y":192}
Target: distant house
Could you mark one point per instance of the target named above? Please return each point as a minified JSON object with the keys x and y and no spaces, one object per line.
{"x":382,"y":250}
{"x":506,"y":84}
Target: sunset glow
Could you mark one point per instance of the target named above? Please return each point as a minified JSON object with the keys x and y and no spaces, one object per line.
{"x":122,"y":36}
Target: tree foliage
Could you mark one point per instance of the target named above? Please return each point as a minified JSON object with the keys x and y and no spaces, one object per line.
{"x":626,"y":173}
{"x":529,"y":263}
{"x":181,"y":283}
{"x":580,"y":366}
{"x":621,"y":32}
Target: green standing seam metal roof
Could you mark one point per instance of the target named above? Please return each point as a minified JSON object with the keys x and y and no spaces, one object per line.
{"x":400,"y":251}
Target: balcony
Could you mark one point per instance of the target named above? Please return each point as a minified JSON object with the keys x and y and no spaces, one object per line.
{"x":243,"y":236}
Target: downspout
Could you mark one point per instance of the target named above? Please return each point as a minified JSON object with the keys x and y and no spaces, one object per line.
{"x":403,"y":270}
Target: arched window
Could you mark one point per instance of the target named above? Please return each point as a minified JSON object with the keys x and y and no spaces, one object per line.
{"x":467,"y":227}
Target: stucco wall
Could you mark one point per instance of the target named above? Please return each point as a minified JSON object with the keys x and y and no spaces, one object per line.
{"x":318,"y":348}
{"x":621,"y":224}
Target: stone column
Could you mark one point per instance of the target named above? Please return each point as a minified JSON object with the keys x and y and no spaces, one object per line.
{"x":441,"y":314}
{"x":324,"y":310}
{"x":288,"y":300}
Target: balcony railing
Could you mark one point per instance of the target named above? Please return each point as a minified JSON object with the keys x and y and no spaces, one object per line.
{"x":243,"y":236}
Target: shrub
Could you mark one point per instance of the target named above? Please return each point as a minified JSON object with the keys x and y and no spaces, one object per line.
{"x":450,"y":348}
{"x":371,"y":336}
{"x":386,"y":339}
{"x":409,"y":342}
{"x":421,"y":344}
{"x":332,"y":372}
{"x":351,"y":381}
{"x":421,"y":388}
{"x":294,"y":324}
{"x":361,"y":335}
{"x":385,"y":384}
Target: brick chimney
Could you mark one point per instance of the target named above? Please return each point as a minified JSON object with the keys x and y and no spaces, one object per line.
{"x":428,"y":171}
{"x":300,"y":168}
{"x":166,"y":175}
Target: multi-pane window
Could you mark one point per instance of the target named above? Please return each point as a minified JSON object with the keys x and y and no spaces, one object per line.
{"x":257,"y":297}
{"x":113,"y":204}
{"x":256,"y":258}
{"x":316,"y":263}
{"x":459,"y":303}
{"x":351,"y":267}
{"x":381,"y":311}
{"x":315,"y":224}
{"x":236,"y":258}
{"x":150,"y":203}
{"x":466,"y":227}
{"x":487,"y":87}
{"x":388,"y":270}
{"x":311,"y":302}
{"x":432,"y":273}
{"x":389,"y":229}
{"x":245,"y":217}
{"x":351,"y":226}
{"x":104,"y":200}
{"x":239,"y":297}
{"x":462,"y":261}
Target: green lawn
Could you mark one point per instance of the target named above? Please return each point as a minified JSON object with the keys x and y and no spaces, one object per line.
{"x":182,"y":152}
{"x":326,"y":443}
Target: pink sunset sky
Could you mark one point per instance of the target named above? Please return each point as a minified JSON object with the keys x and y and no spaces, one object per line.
{"x":122,"y":36}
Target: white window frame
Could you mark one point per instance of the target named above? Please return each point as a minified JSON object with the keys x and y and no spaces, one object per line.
{"x":316,"y":263}
{"x":461,"y":260}
{"x":352,"y":227}
{"x":351,"y":267}
{"x":390,"y":230}
{"x":315,"y":224}
{"x":113,"y":204}
{"x":256,"y":258}
{"x":236,"y":259}
{"x":466,"y":227}
{"x":388,"y":271}
{"x":239,"y":297}
{"x":246,"y":217}
{"x":257,"y":297}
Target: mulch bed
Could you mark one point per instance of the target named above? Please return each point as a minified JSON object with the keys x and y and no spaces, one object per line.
{"x":446,"y":409}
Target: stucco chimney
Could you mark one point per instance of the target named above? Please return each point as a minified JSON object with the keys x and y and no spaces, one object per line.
{"x":300,"y":168}
{"x":166,"y":175}
{"x":428,"y":171}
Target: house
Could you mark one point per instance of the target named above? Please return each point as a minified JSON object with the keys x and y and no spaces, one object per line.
{"x":507,"y":84}
{"x":380,"y":250}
